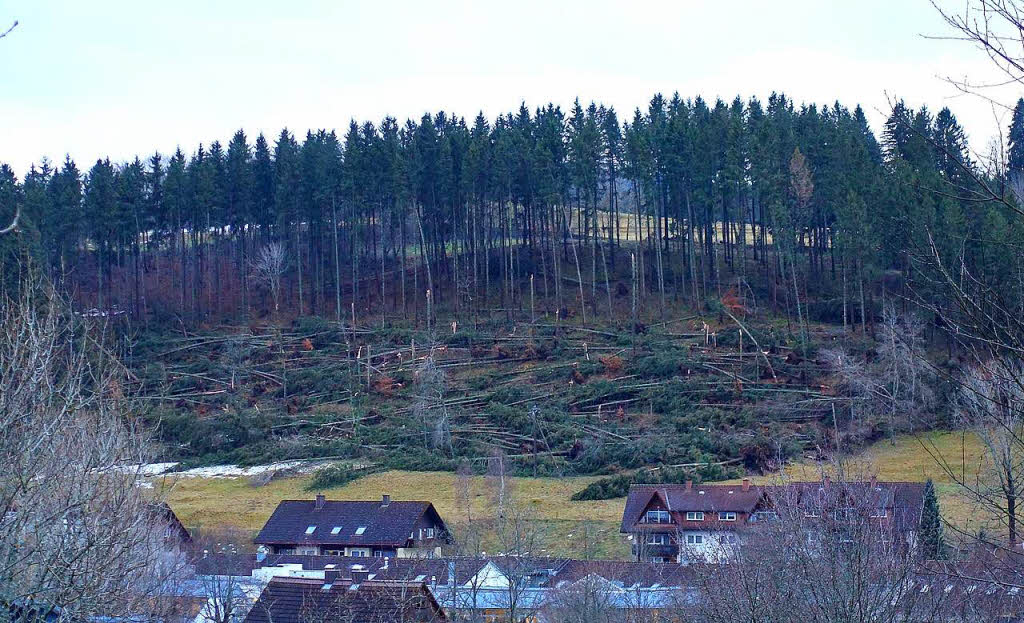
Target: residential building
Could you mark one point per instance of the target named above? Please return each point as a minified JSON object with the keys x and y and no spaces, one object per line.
{"x":487,"y":589}
{"x":705,"y":523}
{"x":345,"y":596}
{"x":382,"y":528}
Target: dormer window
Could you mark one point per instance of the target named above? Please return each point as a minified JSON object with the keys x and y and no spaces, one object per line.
{"x":696,"y":516}
{"x":310,"y":530}
{"x":657,"y":517}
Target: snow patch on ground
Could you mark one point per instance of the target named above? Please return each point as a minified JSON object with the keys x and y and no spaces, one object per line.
{"x":230,"y":471}
{"x":145,"y":470}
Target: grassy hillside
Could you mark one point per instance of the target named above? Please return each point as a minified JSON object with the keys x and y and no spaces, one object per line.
{"x":233,"y":503}
{"x":216,"y":503}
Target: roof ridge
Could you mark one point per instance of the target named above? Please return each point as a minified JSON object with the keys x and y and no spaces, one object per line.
{"x":375,"y":500}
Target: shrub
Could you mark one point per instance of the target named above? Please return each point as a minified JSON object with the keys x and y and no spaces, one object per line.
{"x":618,"y":486}
{"x":335,"y":476}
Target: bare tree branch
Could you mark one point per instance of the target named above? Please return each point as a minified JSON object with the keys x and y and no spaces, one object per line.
{"x":14,"y":223}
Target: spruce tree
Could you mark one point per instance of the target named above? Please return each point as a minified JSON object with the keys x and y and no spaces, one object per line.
{"x":1015,"y":155}
{"x":932,"y":542}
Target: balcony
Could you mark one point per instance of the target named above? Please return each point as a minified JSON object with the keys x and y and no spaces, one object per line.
{"x":648,"y":550}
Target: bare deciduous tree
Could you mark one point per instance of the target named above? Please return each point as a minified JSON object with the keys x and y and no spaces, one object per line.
{"x":824,"y":555}
{"x":990,"y":403}
{"x":498,"y":481}
{"x":896,"y":383}
{"x":268,"y":267}
{"x":430,"y":406}
{"x":77,"y":534}
{"x":520,"y":537}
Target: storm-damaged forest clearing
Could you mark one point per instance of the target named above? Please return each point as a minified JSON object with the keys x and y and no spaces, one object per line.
{"x":702,"y":292}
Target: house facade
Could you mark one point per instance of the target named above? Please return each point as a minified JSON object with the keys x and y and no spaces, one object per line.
{"x":680,"y":523}
{"x":706,"y":523}
{"x":366,"y":529}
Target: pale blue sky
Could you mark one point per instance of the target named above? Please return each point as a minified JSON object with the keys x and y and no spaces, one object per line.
{"x":121,"y":78}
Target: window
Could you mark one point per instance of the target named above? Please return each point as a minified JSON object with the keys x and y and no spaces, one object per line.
{"x":430,"y":533}
{"x":656,"y":538}
{"x":844,"y":514}
{"x":357,"y":553}
{"x":334,"y":552}
{"x":694,"y":515}
{"x":658,"y":559}
{"x":360,"y":530}
{"x":657,"y":517}
{"x":694,"y":539}
{"x":879,"y":512}
{"x":336,"y":530}
{"x":377,"y":553}
{"x":728,"y":539}
{"x":765,"y":516}
{"x":727,"y":516}
{"x":311,"y":530}
{"x":812,"y":512}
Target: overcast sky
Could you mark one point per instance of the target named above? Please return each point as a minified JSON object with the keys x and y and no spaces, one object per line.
{"x":113,"y":78}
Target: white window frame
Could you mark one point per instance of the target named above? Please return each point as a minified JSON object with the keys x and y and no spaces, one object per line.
{"x":694,"y":515}
{"x":727,"y":516}
{"x":695,"y":539}
{"x":662,"y":538}
{"x":728,"y":539}
{"x":430,"y":533}
{"x":880,"y":513}
{"x":661,"y":516}
{"x":844,"y":513}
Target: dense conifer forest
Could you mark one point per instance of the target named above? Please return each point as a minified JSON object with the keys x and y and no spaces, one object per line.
{"x":305,"y":269}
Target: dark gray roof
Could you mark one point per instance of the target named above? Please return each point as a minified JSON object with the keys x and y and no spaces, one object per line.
{"x":337,"y":523}
{"x":299,"y":600}
{"x":906,"y":499}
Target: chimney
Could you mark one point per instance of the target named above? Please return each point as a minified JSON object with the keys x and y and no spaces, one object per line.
{"x":319,"y":504}
{"x":689,"y":485}
{"x":385,"y":500}
{"x":359,"y":574}
{"x":746,"y":484}
{"x":828,"y":480}
{"x":874,"y":481}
